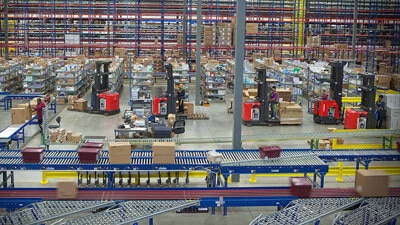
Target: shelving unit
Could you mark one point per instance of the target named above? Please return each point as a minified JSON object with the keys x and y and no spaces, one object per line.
{"x":213,"y":83}
{"x":182,"y":76}
{"x":72,"y":80}
{"x":10,"y":78}
{"x":142,"y":81}
{"x":38,"y":79}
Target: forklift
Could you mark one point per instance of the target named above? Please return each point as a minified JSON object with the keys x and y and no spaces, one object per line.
{"x":165,"y":104}
{"x":363,"y":117}
{"x":330,"y":111}
{"x":103,"y":101}
{"x":256,"y":112}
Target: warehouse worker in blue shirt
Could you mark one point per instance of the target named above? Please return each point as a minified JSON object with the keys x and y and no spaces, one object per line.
{"x":181,"y":98}
{"x":380,"y":112}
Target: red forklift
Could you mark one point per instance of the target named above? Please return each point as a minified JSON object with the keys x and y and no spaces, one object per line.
{"x":165,"y":104}
{"x":330,"y":111}
{"x":256,"y":112}
{"x":103,"y":100}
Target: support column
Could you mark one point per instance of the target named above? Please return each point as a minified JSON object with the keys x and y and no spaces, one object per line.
{"x":184,"y":29}
{"x":7,"y":54}
{"x":354,"y":35}
{"x":238,"y":82}
{"x":198,"y":50}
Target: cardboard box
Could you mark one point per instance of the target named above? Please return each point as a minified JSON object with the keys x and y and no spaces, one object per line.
{"x":171,"y":119}
{"x":17,"y":115}
{"x":60,"y":101}
{"x":28,"y":110}
{"x":119,"y":152}
{"x":32,"y":155}
{"x":372,"y":183}
{"x":72,"y":99}
{"x":190,"y":108}
{"x":76,"y":137}
{"x":393,"y":112}
{"x":163,"y":152}
{"x":80,"y":105}
{"x":69,"y":136}
{"x":324,"y":144}
{"x":67,"y":189}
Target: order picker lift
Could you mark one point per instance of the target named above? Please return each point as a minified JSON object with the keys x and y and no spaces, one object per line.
{"x":104,"y":101}
{"x":165,"y":104}
{"x":256,"y":112}
{"x":330,"y":111}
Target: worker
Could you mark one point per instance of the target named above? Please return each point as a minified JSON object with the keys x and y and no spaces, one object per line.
{"x":324,"y":95}
{"x":93,"y":96}
{"x":380,"y":112}
{"x":273,"y":99}
{"x":39,"y":111}
{"x":181,"y":97}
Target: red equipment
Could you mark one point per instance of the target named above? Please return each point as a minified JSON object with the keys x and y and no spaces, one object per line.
{"x":300,"y":187}
{"x":160,"y":106}
{"x":88,"y":155}
{"x":269,"y":151}
{"x":109,"y":102}
{"x":326,"y":112}
{"x":251,"y":111}
{"x":354,"y":118}
{"x":32,"y":155}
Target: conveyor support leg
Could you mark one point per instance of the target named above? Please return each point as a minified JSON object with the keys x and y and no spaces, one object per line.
{"x":253,"y":178}
{"x":226,"y":180}
{"x":151,"y":221}
{"x":339,"y":177}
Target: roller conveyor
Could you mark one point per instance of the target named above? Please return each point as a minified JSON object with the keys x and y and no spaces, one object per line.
{"x":38,"y":213}
{"x":303,"y":211}
{"x":375,"y":211}
{"x":132,"y":211}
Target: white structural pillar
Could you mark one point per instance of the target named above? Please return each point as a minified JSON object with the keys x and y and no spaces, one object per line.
{"x":238,"y":82}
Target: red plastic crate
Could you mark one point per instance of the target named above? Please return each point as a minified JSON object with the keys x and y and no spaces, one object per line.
{"x":32,"y":155}
{"x":88,"y":155}
{"x":269,"y":151}
{"x":300,"y":187}
{"x":92,"y":145}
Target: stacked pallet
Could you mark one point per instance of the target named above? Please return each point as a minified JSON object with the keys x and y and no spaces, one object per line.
{"x":290,"y":113}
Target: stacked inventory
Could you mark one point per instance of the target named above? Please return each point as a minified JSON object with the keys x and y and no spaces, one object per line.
{"x":141,"y":83}
{"x":181,"y":76}
{"x":213,"y":81}
{"x":392,"y":111}
{"x":10,"y":79}
{"x":117,"y":68}
{"x":39,"y":77}
{"x":225,"y":34}
{"x":72,"y":80}
{"x":210,"y":37}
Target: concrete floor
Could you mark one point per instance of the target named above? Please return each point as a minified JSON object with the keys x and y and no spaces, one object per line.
{"x":219,"y":125}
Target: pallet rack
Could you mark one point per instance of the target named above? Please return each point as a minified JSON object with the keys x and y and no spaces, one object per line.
{"x":97,"y":27}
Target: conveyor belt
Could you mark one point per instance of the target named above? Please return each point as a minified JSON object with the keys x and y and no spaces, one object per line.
{"x":376,"y":211}
{"x":37,"y":213}
{"x":266,"y":137}
{"x":130,"y":212}
{"x":186,"y":159}
{"x":303,"y":211}
{"x":182,"y":193}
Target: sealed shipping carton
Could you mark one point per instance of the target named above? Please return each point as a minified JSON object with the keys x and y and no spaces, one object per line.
{"x":372,"y":183}
{"x":76,"y":137}
{"x":80,"y":105}
{"x":28,"y":110}
{"x":164,"y":152}
{"x":17,"y":116}
{"x":119,"y":152}
{"x":67,"y":189}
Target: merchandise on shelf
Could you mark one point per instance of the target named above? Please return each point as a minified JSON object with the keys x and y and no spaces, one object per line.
{"x":213,"y":77}
{"x":142,"y":81}
{"x":10,"y":78}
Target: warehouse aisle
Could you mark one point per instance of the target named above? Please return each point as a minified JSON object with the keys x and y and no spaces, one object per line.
{"x":218,"y":125}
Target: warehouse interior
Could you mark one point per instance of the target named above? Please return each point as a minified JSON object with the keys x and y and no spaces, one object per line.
{"x":116,"y":148}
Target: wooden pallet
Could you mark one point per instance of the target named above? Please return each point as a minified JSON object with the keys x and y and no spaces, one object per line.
{"x":198,"y":116}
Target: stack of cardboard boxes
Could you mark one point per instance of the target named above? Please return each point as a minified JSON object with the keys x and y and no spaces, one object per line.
{"x":313,"y":41}
{"x":21,"y":114}
{"x":290,"y":113}
{"x":382,"y":81}
{"x":60,"y":135}
{"x":251,"y":27}
{"x":76,"y":104}
{"x":157,"y":63}
{"x":209,"y":35}
{"x":395,"y":82}
{"x":225,"y":34}
{"x":392,"y":111}
{"x":163,"y":152}
{"x":119,"y":152}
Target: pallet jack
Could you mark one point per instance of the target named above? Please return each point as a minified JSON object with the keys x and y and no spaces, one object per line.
{"x":165,"y":104}
{"x":104,"y":101}
{"x":330,"y":111}
{"x":255,"y":112}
